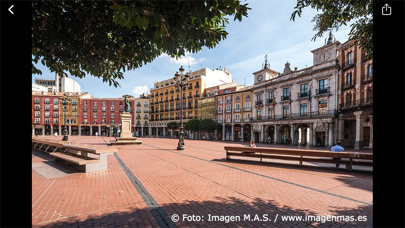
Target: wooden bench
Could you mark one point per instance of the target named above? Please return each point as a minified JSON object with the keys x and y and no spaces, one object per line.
{"x":87,"y":158}
{"x":348,"y":158}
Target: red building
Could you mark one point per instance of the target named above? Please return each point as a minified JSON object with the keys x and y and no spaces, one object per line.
{"x":224,"y":106}
{"x":103,"y":115}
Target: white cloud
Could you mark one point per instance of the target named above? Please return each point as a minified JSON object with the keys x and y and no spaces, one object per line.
{"x":185,"y":60}
{"x":138,"y":90}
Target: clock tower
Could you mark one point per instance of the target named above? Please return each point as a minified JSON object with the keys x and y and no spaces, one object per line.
{"x":265,"y":73}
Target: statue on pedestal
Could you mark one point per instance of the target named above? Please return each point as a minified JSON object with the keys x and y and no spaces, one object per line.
{"x":127,"y":104}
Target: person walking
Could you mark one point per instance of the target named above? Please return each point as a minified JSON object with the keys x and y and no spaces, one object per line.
{"x":36,"y":133}
{"x":285,"y":140}
{"x":269,"y":138}
{"x":337,"y":148}
{"x":290,"y":141}
{"x":56,"y":134}
{"x":96,"y":134}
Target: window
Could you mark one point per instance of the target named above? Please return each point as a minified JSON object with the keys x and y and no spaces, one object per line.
{"x":74,"y":109}
{"x":55,"y":121}
{"x":227,"y":91}
{"x":47,"y":107}
{"x":196,"y":104}
{"x":271,"y":113}
{"x":322,"y":107}
{"x":138,"y":110}
{"x":112,"y":115}
{"x":247,"y":116}
{"x":95,"y":109}
{"x":271,"y":96}
{"x":74,"y":101}
{"x":259,"y":97}
{"x":349,"y":79}
{"x":103,"y":109}
{"x":46,"y":114}
{"x":103,"y":115}
{"x":259,"y":114}
{"x":247,"y":106}
{"x":323,"y":86}
{"x":103,"y":121}
{"x":228,"y":118}
{"x":36,"y":114}
{"x":112,"y":103}
{"x":47,"y":121}
{"x":55,"y":114}
{"x":220,"y":118}
{"x":237,"y":117}
{"x":36,"y":107}
{"x":237,"y":107}
{"x":303,"y":110}
{"x":95,"y":115}
{"x":85,"y":115}
{"x":184,"y":105}
{"x":146,"y":103}
{"x":95,"y":103}
{"x":286,"y":94}
{"x":85,"y":103}
{"x":85,"y":121}
{"x":370,"y":70}
{"x":112,"y":121}
{"x":237,"y":98}
{"x":286,"y":111}
{"x":37,"y":121}
{"x":220,"y":109}
{"x":350,"y":58}
{"x":304,"y":90}
{"x":55,"y":101}
{"x":247,"y":97}
{"x":36,"y":100}
{"x":55,"y":108}
{"x":228,"y":108}
{"x":74,"y":114}
{"x":103,"y":103}
{"x":46,"y":100}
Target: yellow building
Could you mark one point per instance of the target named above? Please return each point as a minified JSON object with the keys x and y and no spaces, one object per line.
{"x":242,"y":113}
{"x":142,"y":114}
{"x":72,"y":111}
{"x":165,"y":99}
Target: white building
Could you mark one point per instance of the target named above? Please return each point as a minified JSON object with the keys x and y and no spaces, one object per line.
{"x":63,"y":84}
{"x":39,"y":88}
{"x":301,"y":104}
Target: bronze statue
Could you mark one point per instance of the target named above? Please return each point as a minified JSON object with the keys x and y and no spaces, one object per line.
{"x":127,"y":104}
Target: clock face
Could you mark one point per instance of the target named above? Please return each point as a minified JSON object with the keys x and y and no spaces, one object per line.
{"x":324,"y":56}
{"x":259,"y":78}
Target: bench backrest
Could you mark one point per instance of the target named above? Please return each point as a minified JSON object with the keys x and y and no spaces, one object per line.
{"x":312,"y":153}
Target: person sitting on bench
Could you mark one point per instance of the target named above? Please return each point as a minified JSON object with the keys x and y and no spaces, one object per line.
{"x":337,"y":148}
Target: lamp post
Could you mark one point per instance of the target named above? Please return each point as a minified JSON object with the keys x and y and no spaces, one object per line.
{"x":181,"y":81}
{"x":65,"y":100}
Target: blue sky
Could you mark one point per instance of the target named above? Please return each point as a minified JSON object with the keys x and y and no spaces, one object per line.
{"x":266,"y":31}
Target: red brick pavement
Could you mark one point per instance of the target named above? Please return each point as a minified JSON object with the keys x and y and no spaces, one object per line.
{"x":197,"y":181}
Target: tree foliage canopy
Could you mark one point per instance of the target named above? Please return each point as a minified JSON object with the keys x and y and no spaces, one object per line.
{"x":173,"y":125}
{"x":336,"y":13}
{"x":104,"y":38}
{"x":207,"y":124}
{"x":192,"y":125}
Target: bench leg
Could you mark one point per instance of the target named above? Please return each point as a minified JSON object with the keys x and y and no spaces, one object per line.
{"x":40,"y":147}
{"x":260,"y":157}
{"x":97,"y":166}
{"x":350,"y":165}
{"x":227,"y":156}
{"x":47,"y":148}
{"x":301,"y":161}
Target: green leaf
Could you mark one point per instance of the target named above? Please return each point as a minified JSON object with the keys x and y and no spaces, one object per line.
{"x":145,"y":23}
{"x":139,"y":22}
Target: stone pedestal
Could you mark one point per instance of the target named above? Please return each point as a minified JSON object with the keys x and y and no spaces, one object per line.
{"x":126,"y":134}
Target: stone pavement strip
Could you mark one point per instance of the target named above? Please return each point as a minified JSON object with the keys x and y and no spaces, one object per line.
{"x":155,"y":185}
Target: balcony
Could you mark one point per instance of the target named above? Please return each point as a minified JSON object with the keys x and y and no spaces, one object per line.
{"x":236,"y":121}
{"x":171,"y":118}
{"x":177,"y":90}
{"x":246,"y":120}
{"x":323,"y":91}
{"x":138,"y":105}
{"x":177,"y":118}
{"x":189,"y":97}
{"x":190,"y":87}
{"x":177,"y":99}
{"x":285,"y":98}
{"x":197,"y":86}
{"x":36,"y":101}
{"x":363,"y":102}
{"x":171,"y":91}
{"x":248,"y":109}
{"x":145,"y":124}
{"x":166,"y":93}
{"x":347,"y":85}
{"x":190,"y":107}
{"x":171,"y":109}
{"x":247,"y":99}
{"x":138,"y":111}
{"x":152,"y":96}
{"x":152,"y":119}
{"x":161,"y":101}
{"x":348,"y":64}
{"x":302,"y":95}
{"x":166,"y":101}
{"x":46,"y":102}
{"x":161,"y":94}
{"x":156,"y":102}
{"x":157,"y":94}
{"x":145,"y":117}
{"x":171,"y":100}
{"x":257,"y":102}
{"x":368,"y":77}
{"x":151,"y":111}
{"x":236,"y":110}
{"x":166,"y":109}
{"x":228,"y":110}
{"x":145,"y":111}
{"x":197,"y":95}
{"x":178,"y":108}
{"x":219,"y":121}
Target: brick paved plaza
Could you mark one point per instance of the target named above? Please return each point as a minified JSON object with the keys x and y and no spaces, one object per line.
{"x":148,"y":185}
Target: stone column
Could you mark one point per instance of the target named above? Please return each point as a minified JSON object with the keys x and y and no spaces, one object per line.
{"x":251,"y":133}
{"x":275,"y":133}
{"x":371,"y":132}
{"x":70,"y":129}
{"x":43,"y":129}
{"x":262,"y":133}
{"x":99,"y":130}
{"x":91,"y":130}
{"x":359,"y":130}
{"x":311,"y":134}
{"x":171,"y":133}
{"x":330,"y":134}
{"x":51,"y":129}
{"x":157,"y":132}
{"x":164,"y":131}
{"x":80,"y":130}
{"x":150,"y":130}
{"x":292,"y":133}
{"x":60,"y":129}
{"x":223,"y":132}
{"x":33,"y":130}
{"x":241,"y":132}
{"x":341,"y":128}
{"x":232,"y":137}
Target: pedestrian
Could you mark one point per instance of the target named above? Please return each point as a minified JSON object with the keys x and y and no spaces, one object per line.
{"x":36,"y":133}
{"x":285,"y":140}
{"x":290,"y":141}
{"x":269,"y":138}
{"x":96,"y":134}
{"x":337,"y":148}
{"x":56,"y":134}
{"x":252,"y":143}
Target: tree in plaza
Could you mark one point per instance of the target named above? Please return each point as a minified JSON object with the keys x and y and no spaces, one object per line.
{"x":173,"y":125}
{"x":192,"y":125}
{"x":207,"y":125}
{"x":104,"y":38}
{"x":337,"y":13}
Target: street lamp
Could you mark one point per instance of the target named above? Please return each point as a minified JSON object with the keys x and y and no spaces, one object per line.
{"x":181,"y":81}
{"x":65,"y":100}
